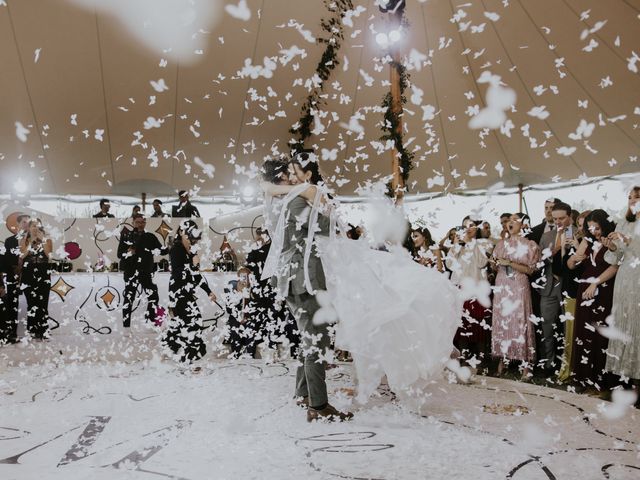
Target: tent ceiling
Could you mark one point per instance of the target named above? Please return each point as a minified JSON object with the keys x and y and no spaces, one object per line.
{"x":90,"y":66}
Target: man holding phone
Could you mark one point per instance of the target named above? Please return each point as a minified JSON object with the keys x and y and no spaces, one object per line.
{"x":551,"y":287}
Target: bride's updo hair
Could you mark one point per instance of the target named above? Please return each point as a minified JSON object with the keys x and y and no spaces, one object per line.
{"x":274,"y":171}
{"x":308,"y":162}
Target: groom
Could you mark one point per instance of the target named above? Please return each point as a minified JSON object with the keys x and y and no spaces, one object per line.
{"x":311,"y":387}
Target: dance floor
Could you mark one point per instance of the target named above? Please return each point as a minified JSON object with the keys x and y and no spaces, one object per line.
{"x":147,"y":418}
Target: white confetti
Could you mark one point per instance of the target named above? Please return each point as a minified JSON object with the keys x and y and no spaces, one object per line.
{"x":498,"y":100}
{"x":152,"y":122}
{"x":36,"y":55}
{"x":428,"y":113}
{"x":539,"y":112}
{"x":566,"y":151}
{"x":22,"y":132}
{"x":584,"y":130}
{"x":416,"y":95}
{"x":159,"y":86}
{"x":240,"y":11}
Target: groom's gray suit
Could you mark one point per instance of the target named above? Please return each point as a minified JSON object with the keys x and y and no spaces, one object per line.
{"x":310,"y":377}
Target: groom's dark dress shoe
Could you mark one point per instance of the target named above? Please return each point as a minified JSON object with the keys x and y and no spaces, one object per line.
{"x":302,"y":402}
{"x":327,"y":414}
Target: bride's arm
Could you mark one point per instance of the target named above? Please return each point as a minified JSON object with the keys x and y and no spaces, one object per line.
{"x":278,"y":190}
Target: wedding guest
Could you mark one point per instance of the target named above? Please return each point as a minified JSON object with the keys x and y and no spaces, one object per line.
{"x":445,"y":245}
{"x":425,"y":251}
{"x":485,"y":230}
{"x":105,"y":205}
{"x":593,"y":302}
{"x":135,"y":251}
{"x":623,"y":354}
{"x":512,"y":332}
{"x":467,"y":260}
{"x":574,"y":216}
{"x":35,"y":250}
{"x":504,"y":222}
{"x":547,"y":224}
{"x":13,"y":267}
{"x":236,"y":296}
{"x":157,"y":209}
{"x":135,"y":210}
{"x":550,"y":285}
{"x":184,"y":208}
{"x":580,"y":232}
{"x":268,"y":315}
{"x":184,"y":336}
{"x":569,"y":287}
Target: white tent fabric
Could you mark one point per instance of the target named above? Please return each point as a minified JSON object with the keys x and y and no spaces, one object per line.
{"x":80,"y":110}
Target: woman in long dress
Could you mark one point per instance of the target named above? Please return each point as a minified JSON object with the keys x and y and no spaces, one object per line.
{"x":594,"y":301}
{"x":512,"y":333}
{"x":184,"y":335}
{"x":35,"y":250}
{"x":467,"y":259}
{"x":623,"y":356}
{"x":396,"y":317}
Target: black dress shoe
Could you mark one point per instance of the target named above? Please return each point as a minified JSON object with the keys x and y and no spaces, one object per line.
{"x":328,"y":414}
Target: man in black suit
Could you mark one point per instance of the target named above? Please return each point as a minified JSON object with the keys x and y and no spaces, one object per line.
{"x":105,"y":205}
{"x":547,"y":224}
{"x":184,"y":209}
{"x":135,"y":251}
{"x":157,"y":209}
{"x":11,"y":266}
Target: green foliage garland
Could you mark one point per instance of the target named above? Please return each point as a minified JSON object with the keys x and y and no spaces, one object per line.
{"x":392,"y":120}
{"x":334,"y":29}
{"x":390,"y":130}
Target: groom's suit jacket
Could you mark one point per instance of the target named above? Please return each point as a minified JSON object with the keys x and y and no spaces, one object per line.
{"x":295,"y":241}
{"x":548,"y":282}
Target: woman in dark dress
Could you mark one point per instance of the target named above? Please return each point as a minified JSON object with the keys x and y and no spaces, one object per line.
{"x":184,"y":335}
{"x":593,"y":302}
{"x":35,"y":250}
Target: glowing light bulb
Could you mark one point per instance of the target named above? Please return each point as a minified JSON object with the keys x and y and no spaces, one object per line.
{"x":395,"y":36}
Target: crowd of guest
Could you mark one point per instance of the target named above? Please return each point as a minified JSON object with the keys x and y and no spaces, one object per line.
{"x":564,"y":294}
{"x":562,"y":303}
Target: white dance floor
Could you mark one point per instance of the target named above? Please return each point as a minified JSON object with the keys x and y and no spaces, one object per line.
{"x":147,"y":418}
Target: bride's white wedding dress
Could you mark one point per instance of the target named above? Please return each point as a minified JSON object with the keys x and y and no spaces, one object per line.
{"x":396,"y":317}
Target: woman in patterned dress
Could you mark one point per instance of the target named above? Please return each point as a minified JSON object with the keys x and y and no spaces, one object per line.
{"x":623,"y":355}
{"x":512,"y":333}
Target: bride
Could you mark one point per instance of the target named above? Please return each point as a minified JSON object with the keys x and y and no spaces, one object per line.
{"x":396,"y":317}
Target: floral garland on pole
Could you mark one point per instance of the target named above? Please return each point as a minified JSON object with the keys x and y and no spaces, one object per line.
{"x":392,"y":120}
{"x":391,"y":126}
{"x":334,"y":27}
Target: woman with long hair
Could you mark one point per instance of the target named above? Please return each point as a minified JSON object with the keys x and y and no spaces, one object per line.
{"x":593,"y":301}
{"x":35,"y":252}
{"x":623,"y":354}
{"x":424,"y":250}
{"x":512,"y":333}
{"x":467,"y":259}
{"x":184,"y":335}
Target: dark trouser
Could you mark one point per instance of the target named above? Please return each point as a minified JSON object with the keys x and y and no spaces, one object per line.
{"x":184,"y":335}
{"x":132,"y":281}
{"x":310,"y":376}
{"x":550,"y":310}
{"x":9,"y":312}
{"x":36,"y":284}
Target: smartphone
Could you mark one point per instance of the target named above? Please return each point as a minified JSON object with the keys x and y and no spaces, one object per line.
{"x":569,"y":231}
